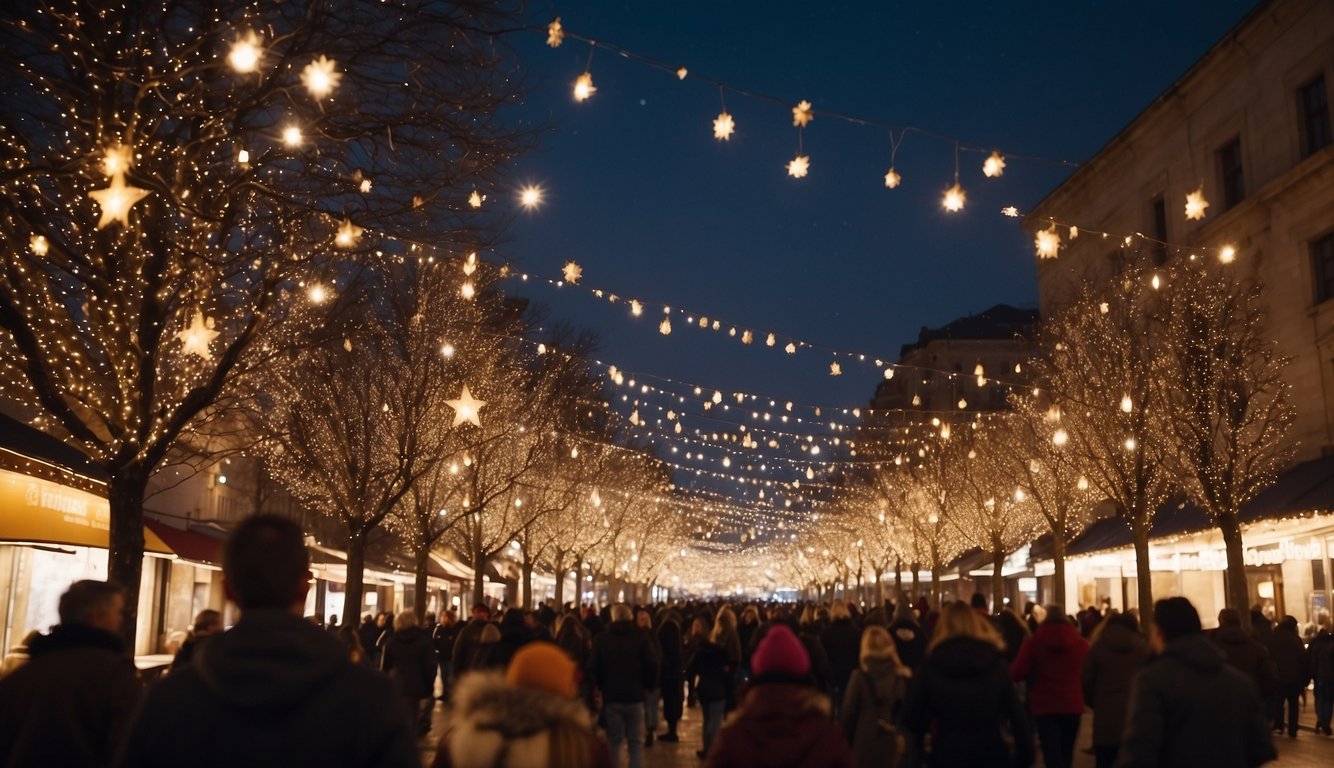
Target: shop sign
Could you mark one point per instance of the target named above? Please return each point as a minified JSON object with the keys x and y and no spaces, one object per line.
{"x":1216,"y":559}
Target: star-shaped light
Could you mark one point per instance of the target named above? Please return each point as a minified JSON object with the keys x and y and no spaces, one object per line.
{"x":954,"y":198}
{"x":1195,"y":204}
{"x":555,"y":33}
{"x":115,"y":201}
{"x":583,"y":86}
{"x":799,"y":166}
{"x":723,"y":126}
{"x":1226,"y":255}
{"x":39,"y":245}
{"x":802,"y":114}
{"x":835,"y":369}
{"x":116,"y":161}
{"x":320,"y":77}
{"x":993,"y":166}
{"x":475,"y":199}
{"x":572,"y":272}
{"x":292,"y":136}
{"x":197,"y":336}
{"x":530,"y":196}
{"x":893,"y":178}
{"x":467,"y":409}
{"x":245,"y":53}
{"x":1010,"y":211}
{"x":468,"y":291}
{"x":1048,"y":243}
{"x":348,"y":234}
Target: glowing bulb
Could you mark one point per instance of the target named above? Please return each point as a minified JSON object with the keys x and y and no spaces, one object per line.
{"x":317,"y":294}
{"x":1060,"y":437}
{"x":243,"y":157}
{"x":583,"y":87}
{"x":39,"y":245}
{"x":954,"y":198}
{"x":993,"y":166}
{"x":1227,"y":255}
{"x":475,"y":199}
{"x":467,"y":290}
{"x":1195,"y":204}
{"x":320,"y":77}
{"x":530,"y":196}
{"x":245,"y":53}
{"x":1130,"y":444}
{"x":555,"y":33}
{"x":1127,"y":405}
{"x":1156,"y":282}
{"x":116,"y":160}
{"x":893,"y":178}
{"x":636,"y":308}
{"x":348,"y":234}
{"x":723,"y":125}
{"x":665,"y":327}
{"x":447,"y":350}
{"x":799,"y":166}
{"x":1047,"y":242}
{"x":1083,"y":483}
{"x":292,"y":136}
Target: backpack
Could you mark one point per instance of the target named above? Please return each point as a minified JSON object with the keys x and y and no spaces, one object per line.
{"x":889,"y":739}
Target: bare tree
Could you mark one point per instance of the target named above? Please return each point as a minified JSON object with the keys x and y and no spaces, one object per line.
{"x":167,"y":168}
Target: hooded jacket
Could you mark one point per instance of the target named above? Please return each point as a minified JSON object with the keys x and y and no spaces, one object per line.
{"x":780,"y":723}
{"x":1189,"y":708}
{"x":962,"y":693}
{"x":909,"y":639}
{"x":1289,"y":657}
{"x":71,"y":703}
{"x":622,"y":663}
{"x":843,"y":643}
{"x":1051,"y":660}
{"x":1248,"y":655}
{"x":498,"y":725}
{"x":409,"y":658}
{"x":1108,"y":668}
{"x":875,"y":695}
{"x":272,"y":691}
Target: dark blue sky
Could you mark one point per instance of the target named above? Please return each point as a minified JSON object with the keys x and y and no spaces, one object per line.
{"x":643,"y":197}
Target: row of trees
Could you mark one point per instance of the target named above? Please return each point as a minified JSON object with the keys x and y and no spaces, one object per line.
{"x":1158,"y":384}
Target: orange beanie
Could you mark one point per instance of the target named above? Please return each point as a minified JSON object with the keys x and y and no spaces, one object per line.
{"x":543,"y":666}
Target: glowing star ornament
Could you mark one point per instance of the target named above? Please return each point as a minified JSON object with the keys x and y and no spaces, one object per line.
{"x":583,"y":87}
{"x":320,"y":78}
{"x":245,"y":53}
{"x":348,"y":234}
{"x":954,"y":198}
{"x":1226,"y":255}
{"x":467,"y":409}
{"x":572,"y":273}
{"x":1010,"y":211}
{"x":993,"y":166}
{"x":292,"y":136}
{"x":475,"y":199}
{"x":468,"y":291}
{"x":893,"y":179}
{"x":196,"y":337}
{"x":723,"y":126}
{"x":555,"y":33}
{"x":115,"y":201}
{"x":799,"y":166}
{"x":802,"y":114}
{"x":39,"y":245}
{"x":530,"y":196}
{"x":116,"y":161}
{"x":1047,"y":242}
{"x":1195,"y":205}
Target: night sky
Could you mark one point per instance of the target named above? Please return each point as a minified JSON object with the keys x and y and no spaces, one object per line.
{"x":641,"y":195}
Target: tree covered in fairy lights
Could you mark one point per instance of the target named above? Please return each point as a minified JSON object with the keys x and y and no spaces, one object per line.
{"x":171,"y":171}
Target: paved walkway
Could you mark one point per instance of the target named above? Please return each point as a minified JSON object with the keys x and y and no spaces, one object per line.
{"x":1306,"y":751}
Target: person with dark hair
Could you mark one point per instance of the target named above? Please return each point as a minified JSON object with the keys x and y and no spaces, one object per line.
{"x":1187,"y":706}
{"x":978,"y":602}
{"x":69,"y":705}
{"x":514,"y":634}
{"x":207,"y":624}
{"x":622,"y":667}
{"x":909,"y":639}
{"x":443,"y":636}
{"x":1117,"y":651}
{"x":1050,"y":661}
{"x":409,"y":660}
{"x":467,"y":646}
{"x":671,"y":671}
{"x":1285,"y":646}
{"x":274,"y":689}
{"x":1245,"y":653}
{"x":1320,"y":666}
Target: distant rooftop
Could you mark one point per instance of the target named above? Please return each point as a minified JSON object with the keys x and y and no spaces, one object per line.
{"x":999,"y":322}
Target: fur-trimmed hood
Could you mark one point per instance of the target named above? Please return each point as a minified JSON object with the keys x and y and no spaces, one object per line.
{"x":492,"y":716}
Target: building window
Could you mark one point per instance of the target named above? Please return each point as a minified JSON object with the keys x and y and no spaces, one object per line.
{"x":1159,"y":210}
{"x":1230,"y":175}
{"x":1322,"y":267}
{"x":1314,"y":105}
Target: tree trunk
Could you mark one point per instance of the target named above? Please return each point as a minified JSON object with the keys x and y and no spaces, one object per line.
{"x":879,"y":587}
{"x":478,"y":576}
{"x":1238,"y":589}
{"x":898,"y":577}
{"x":997,"y":579}
{"x":916,"y":582}
{"x":559,"y":565}
{"x":1143,"y":576}
{"x":356,"y":571}
{"x":1058,"y":562}
{"x":125,"y":544}
{"x":419,"y":584}
{"x":935,"y":585}
{"x":527,"y":569}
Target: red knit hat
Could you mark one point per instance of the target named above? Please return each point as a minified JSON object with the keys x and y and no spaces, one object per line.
{"x":780,"y":653}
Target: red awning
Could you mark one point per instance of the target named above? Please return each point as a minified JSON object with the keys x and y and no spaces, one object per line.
{"x":188,"y":545}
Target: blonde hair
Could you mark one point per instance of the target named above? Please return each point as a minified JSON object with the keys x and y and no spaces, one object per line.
{"x":726,"y":616}
{"x":807,"y":616}
{"x":839,"y":610}
{"x":877,"y":644}
{"x":725,"y":622}
{"x":960,"y":620}
{"x":404,"y":620}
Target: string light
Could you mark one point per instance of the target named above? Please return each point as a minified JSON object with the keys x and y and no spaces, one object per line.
{"x":572,"y":272}
{"x":555,"y":33}
{"x":530,"y":196}
{"x":583,"y":87}
{"x":954,"y":196}
{"x":723,"y":126}
{"x":994,"y":166}
{"x":320,"y":78}
{"x":1195,"y":204}
{"x":114,"y":201}
{"x":292,"y":136}
{"x":467,"y":409}
{"x":245,"y":53}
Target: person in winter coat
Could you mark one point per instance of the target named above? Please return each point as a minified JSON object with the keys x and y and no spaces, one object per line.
{"x":1248,"y":655}
{"x":443,"y":636}
{"x":69,"y":705}
{"x":709,"y":673}
{"x":909,"y":639}
{"x":573,"y":638}
{"x":484,"y":650}
{"x":672,"y":672}
{"x":1290,"y":660}
{"x":699,"y":634}
{"x":208,"y":622}
{"x":750,"y":623}
{"x":274,"y":690}
{"x":622,"y":667}
{"x":842,"y":642}
{"x":876,"y":690}
{"x":809,"y":631}
{"x":782,"y":720}
{"x":18,"y":653}
{"x":514,"y":634}
{"x":529,"y":715}
{"x":409,"y":659}
{"x":962,"y":695}
{"x":1118,"y":650}
{"x":1013,"y":630}
{"x":1187,"y":706}
{"x":1050,"y":661}
{"x":467,"y":645}
{"x":653,"y":689}
{"x":725,"y":623}
{"x":1320,"y":665}
{"x":367,"y":634}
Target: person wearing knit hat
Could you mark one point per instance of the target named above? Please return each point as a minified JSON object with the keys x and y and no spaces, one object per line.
{"x":528,"y":715}
{"x":782,"y":719}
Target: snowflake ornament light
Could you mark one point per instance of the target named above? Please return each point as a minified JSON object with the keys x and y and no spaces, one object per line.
{"x":723,"y":125}
{"x":555,"y":33}
{"x":799,"y":166}
{"x":572,"y":273}
{"x":320,"y":78}
{"x":802,"y":114}
{"x":1195,"y":204}
{"x":993,"y":166}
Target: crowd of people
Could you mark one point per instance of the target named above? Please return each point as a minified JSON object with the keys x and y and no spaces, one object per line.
{"x":775,"y":684}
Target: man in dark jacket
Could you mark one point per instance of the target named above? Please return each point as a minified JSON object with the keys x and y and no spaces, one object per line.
{"x":274,"y":690}
{"x":1246,"y":654}
{"x":623,"y":669}
{"x":409,"y":659}
{"x":1188,"y":707}
{"x":1285,"y":645}
{"x":470,"y":639}
{"x":70,"y":704}
{"x":909,"y":639}
{"x":1320,"y":663}
{"x":444,"y":636}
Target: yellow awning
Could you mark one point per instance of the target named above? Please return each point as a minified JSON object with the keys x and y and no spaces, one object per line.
{"x":36,"y":511}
